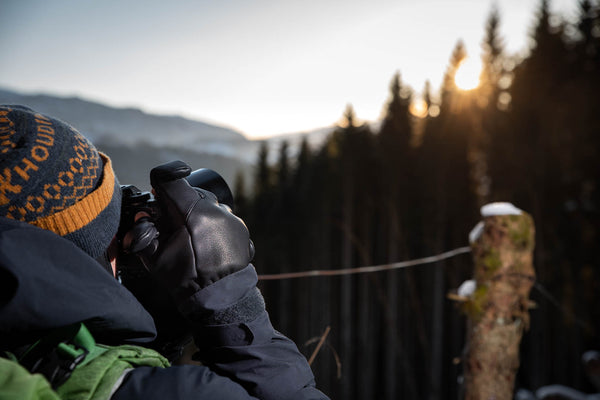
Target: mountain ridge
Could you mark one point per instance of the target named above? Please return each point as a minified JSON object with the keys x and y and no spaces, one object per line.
{"x":137,"y":140}
{"x":130,"y":126}
{"x":99,"y":121}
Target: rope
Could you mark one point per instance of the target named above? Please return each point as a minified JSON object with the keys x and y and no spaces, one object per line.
{"x":403,"y":264}
{"x":362,"y":270}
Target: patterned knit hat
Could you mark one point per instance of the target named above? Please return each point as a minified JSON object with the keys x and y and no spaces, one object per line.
{"x":53,"y":177}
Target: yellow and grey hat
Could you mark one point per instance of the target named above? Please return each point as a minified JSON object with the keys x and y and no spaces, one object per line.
{"x":52,"y":177}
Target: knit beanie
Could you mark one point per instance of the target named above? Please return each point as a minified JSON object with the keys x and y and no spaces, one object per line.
{"x":52,"y":177}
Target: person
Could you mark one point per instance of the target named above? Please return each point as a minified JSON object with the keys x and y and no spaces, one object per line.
{"x":67,"y":326}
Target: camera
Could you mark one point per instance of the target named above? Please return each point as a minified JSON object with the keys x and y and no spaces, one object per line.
{"x":133,"y":200}
{"x":171,"y":328}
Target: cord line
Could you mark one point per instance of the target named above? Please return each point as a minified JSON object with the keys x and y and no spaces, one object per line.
{"x":362,"y":270}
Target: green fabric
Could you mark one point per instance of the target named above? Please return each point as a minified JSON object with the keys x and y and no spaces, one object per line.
{"x":69,"y":341}
{"x":95,"y":379}
{"x":82,"y":340}
{"x":16,"y":383}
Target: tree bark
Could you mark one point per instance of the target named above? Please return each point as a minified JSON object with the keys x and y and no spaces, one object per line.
{"x":498,"y":309}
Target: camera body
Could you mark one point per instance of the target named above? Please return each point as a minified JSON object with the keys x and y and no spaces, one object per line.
{"x":133,"y":200}
{"x":171,"y":327}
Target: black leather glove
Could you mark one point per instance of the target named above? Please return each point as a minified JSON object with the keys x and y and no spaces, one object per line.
{"x":195,"y":242}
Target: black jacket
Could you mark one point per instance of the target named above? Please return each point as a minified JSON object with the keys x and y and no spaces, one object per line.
{"x":46,"y":282}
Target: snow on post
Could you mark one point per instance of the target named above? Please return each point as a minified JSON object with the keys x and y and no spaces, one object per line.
{"x":497,"y":308}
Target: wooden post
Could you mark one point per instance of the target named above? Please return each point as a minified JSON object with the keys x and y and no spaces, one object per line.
{"x":497,"y":310}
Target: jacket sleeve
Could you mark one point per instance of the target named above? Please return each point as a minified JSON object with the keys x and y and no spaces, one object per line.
{"x":235,"y":338}
{"x":183,"y":382}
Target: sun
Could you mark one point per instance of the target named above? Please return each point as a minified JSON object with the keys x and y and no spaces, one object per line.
{"x":467,"y":74}
{"x":418,"y":108}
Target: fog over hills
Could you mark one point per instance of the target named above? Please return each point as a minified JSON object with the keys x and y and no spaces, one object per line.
{"x":137,"y":141}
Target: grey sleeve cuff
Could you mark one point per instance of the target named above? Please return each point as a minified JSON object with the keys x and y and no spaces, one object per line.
{"x":245,"y":310}
{"x":233,"y":299}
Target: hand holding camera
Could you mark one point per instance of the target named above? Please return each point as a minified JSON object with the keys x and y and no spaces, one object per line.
{"x":193,"y":240}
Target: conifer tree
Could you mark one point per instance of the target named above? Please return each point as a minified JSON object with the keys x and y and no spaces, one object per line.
{"x":283,"y":170}
{"x":263,"y":171}
{"x":301,"y":175}
{"x":398,"y":231}
{"x":427,"y":94}
{"x":490,"y":124}
{"x":351,"y":148}
{"x":395,"y":129}
{"x":545,"y":61}
{"x":262,"y":202}
{"x":281,"y":242}
{"x":536,"y":165}
{"x":492,"y":60}
{"x":447,"y":203}
{"x":588,"y":27}
{"x":449,"y":89}
{"x":241,"y":197}
{"x":304,"y":209}
{"x":395,"y":153}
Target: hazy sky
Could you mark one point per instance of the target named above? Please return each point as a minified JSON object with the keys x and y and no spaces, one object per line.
{"x":263,"y":66}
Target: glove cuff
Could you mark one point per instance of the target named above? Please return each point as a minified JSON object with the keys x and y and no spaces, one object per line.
{"x":245,"y":310}
{"x":232,"y":299}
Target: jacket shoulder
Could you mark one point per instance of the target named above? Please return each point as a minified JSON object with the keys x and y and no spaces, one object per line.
{"x":58,"y":284}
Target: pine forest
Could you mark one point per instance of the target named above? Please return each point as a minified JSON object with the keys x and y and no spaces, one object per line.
{"x":411,"y":187}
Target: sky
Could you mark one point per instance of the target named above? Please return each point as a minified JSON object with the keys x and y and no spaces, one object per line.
{"x":262,"y":67}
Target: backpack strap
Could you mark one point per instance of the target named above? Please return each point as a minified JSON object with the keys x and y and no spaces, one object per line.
{"x":56,"y":355}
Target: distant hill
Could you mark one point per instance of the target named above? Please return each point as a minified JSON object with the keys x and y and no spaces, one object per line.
{"x":133,"y":164}
{"x":138,"y":141}
{"x":124,"y":125}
